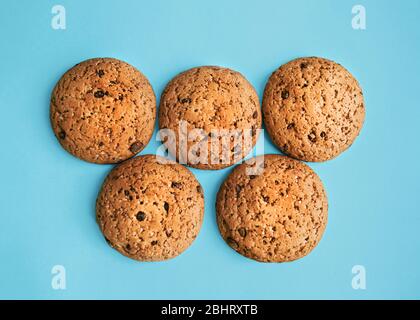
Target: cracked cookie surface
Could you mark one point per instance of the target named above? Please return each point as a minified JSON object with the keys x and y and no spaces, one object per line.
{"x":313,"y":109}
{"x":103,"y":110}
{"x":278,"y":215}
{"x":220,"y":112}
{"x":150,"y":211}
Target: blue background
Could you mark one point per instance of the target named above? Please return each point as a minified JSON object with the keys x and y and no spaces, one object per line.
{"x":47,"y":197}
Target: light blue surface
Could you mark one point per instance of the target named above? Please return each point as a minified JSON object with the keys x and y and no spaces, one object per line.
{"x":47,"y":197}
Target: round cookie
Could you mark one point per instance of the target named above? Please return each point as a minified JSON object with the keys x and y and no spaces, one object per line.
{"x":150,"y":210}
{"x":103,"y":110}
{"x":213,"y":114}
{"x":313,"y":109}
{"x":275,"y":214}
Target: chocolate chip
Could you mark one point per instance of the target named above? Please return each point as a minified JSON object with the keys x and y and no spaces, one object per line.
{"x":186,"y":100}
{"x":238,"y":190}
{"x":100,"y":144}
{"x":312,"y":137}
{"x":120,"y":97}
{"x":199,"y":189}
{"x":255,"y":115}
{"x":252,"y":177}
{"x":253,"y":131}
{"x":285,"y":94}
{"x":323,"y":134}
{"x":303,"y":65}
{"x":166,"y":206}
{"x":232,"y":243}
{"x":136,"y":147}
{"x":62,"y":134}
{"x":266,"y":199}
{"x":99,"y":94}
{"x":140,"y":216}
{"x":154,"y":242}
{"x":290,"y":126}
{"x":128,"y":247}
{"x":127,"y":193}
{"x":242,"y":232}
{"x":100,"y":73}
{"x":176,"y":185}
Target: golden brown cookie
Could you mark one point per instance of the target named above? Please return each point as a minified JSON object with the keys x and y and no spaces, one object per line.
{"x":103,"y":110}
{"x":149,"y":210}
{"x":275,"y":215}
{"x":214,"y":114}
{"x":313,"y":109}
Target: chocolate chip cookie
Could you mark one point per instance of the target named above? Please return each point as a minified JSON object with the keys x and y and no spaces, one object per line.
{"x":213,"y":116}
{"x":103,"y":110}
{"x":272,"y":209}
{"x":150,"y":209}
{"x":313,"y":109}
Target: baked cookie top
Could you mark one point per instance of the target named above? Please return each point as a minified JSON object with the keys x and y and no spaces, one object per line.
{"x":276,"y":214}
{"x":103,"y":110}
{"x":313,"y":109}
{"x":150,"y":210}
{"x":214,"y":115}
